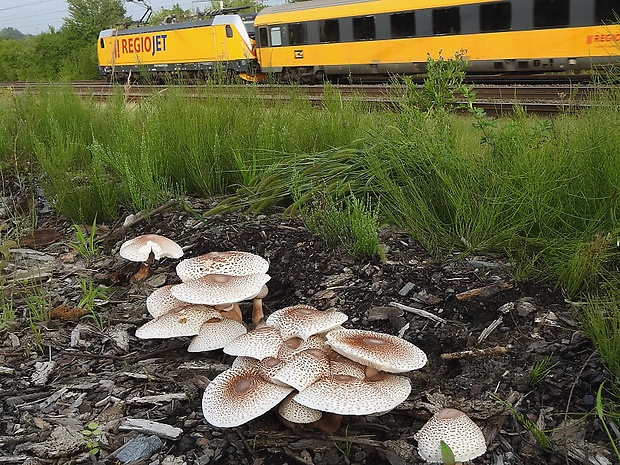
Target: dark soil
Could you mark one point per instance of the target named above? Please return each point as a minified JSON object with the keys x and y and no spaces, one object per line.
{"x":107,"y":376}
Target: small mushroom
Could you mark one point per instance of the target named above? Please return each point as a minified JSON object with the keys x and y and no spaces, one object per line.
{"x":215,"y":334}
{"x":303,"y":321}
{"x":162,"y":301}
{"x":147,"y":248}
{"x":232,"y":263}
{"x":457,"y":430}
{"x":183,"y":321}
{"x":293,"y":411}
{"x":262,"y":342}
{"x":377,"y":350}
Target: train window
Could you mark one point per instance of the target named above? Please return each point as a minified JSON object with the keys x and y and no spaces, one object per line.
{"x":446,"y":21}
{"x":495,"y":17}
{"x":402,"y":24}
{"x":364,"y":28}
{"x":101,"y":43}
{"x":263,"y":41}
{"x":229,"y":31}
{"x":276,"y":36}
{"x":550,"y":13}
{"x":297,"y":34}
{"x":607,"y":11}
{"x":329,"y":30}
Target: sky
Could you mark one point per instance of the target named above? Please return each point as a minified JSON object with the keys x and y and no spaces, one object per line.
{"x":35,"y":16}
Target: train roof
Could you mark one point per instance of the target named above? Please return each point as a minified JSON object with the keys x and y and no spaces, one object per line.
{"x":168,"y":27}
{"x":301,"y":6}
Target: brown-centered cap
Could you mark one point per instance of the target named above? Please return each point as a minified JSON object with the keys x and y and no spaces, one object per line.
{"x":233,"y":263}
{"x":215,"y":334}
{"x":139,"y":248}
{"x":381,"y":351}
{"x":239,"y":395}
{"x":349,"y":395}
{"x":218,"y":289}
{"x":457,"y":430}
{"x":183,"y":321}
{"x":303,"y":321}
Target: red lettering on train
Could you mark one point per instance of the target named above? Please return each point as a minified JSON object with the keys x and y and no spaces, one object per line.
{"x":592,"y":38}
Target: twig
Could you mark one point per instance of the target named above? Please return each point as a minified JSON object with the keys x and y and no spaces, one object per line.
{"x":497,"y":350}
{"x":419,"y":312}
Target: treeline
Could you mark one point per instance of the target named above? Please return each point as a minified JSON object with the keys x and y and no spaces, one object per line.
{"x":70,"y":53}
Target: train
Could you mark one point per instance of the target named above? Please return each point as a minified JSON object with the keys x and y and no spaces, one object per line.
{"x":319,"y":40}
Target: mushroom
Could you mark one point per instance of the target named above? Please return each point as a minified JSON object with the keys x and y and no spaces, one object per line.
{"x":232,"y":263}
{"x":221,"y":291}
{"x":162,"y":301}
{"x":377,"y":350}
{"x":293,"y":411}
{"x":183,"y":321}
{"x":215,"y":334}
{"x":347,"y":394}
{"x":147,"y":248}
{"x":303,"y":321}
{"x":262,"y":342}
{"x":457,"y":430}
{"x":241,"y":394}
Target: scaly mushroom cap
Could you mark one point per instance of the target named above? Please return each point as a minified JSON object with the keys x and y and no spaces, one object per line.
{"x":183,"y":321}
{"x":293,"y":411}
{"x":303,"y":321}
{"x":381,"y":351}
{"x":303,"y":370}
{"x":218,"y":289}
{"x":349,"y":395}
{"x":238,"y":395}
{"x":162,"y":301}
{"x":295,"y":345}
{"x":215,"y":334}
{"x":457,"y":430}
{"x":263,"y":341}
{"x":139,"y":248}
{"x":231,"y":263}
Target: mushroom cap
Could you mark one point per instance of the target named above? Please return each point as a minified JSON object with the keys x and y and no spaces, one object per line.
{"x":295,"y":345}
{"x":263,"y":341}
{"x":303,"y":321}
{"x":233,"y":263}
{"x":349,"y":395}
{"x":238,"y":395}
{"x":293,"y":411}
{"x":457,"y":430}
{"x":183,"y":321}
{"x":218,"y":289}
{"x":215,"y":334}
{"x":139,"y":248}
{"x":162,"y":301}
{"x":381,"y":351}
{"x":304,"y":369}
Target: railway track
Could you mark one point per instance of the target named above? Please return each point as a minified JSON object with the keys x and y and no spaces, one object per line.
{"x":542,"y":98}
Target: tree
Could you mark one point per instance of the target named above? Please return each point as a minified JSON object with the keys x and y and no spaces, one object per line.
{"x":176,"y":12}
{"x":11,"y":33}
{"x":89,"y":17}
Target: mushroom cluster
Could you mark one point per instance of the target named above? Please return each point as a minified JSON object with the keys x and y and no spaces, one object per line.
{"x":302,"y":361}
{"x":205,"y":304}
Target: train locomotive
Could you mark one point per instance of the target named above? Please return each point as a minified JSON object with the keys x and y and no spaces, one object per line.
{"x":315,"y":40}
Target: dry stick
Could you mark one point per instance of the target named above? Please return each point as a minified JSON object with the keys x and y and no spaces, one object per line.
{"x":139,"y":217}
{"x":419,"y":312}
{"x":497,"y":350}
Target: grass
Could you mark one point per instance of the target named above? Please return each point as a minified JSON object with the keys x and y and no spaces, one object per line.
{"x":542,"y":191}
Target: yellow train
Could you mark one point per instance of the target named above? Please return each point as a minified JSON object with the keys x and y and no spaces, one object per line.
{"x":373,"y":39}
{"x":187,"y":50}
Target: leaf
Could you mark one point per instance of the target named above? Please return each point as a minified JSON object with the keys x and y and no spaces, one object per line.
{"x":447,"y":456}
